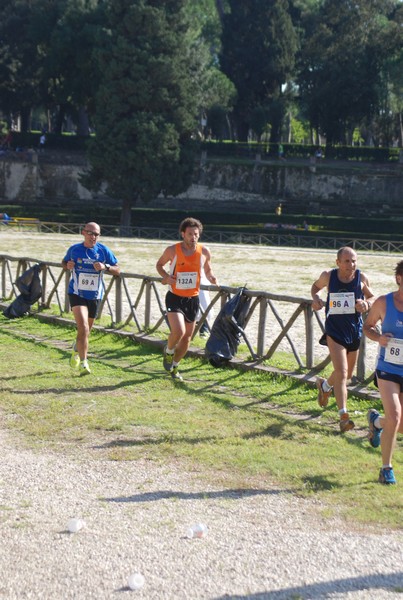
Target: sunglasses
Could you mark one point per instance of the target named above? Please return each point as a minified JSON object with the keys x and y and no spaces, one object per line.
{"x":93,"y":233}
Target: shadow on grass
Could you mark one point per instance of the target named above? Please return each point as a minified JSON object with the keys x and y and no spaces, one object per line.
{"x":318,"y":483}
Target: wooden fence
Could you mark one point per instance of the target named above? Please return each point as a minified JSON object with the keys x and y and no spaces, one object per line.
{"x":274,"y":237}
{"x":274,"y":322}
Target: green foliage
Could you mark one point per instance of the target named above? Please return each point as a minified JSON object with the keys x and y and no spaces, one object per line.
{"x":299,"y":132}
{"x":146,"y":106}
{"x":259,"y":44}
{"x":341,"y":63}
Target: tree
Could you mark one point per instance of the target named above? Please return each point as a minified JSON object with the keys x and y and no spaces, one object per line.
{"x":45,"y":56}
{"x":259,"y":43}
{"x":19,"y":60}
{"x":146,"y":106}
{"x":69,"y":72}
{"x":342,"y":58}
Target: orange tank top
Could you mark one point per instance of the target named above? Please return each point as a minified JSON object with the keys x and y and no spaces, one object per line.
{"x":187,"y":270}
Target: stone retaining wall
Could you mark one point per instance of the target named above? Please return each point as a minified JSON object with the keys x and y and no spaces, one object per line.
{"x":305,"y":187}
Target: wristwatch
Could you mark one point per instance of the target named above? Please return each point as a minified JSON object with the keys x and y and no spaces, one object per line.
{"x":107,"y":267}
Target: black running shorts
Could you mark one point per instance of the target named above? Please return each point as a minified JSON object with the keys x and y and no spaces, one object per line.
{"x":188,"y":307}
{"x":92,"y":305}
{"x":379,"y":374}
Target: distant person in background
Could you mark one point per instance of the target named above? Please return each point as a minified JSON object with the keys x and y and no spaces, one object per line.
{"x":348,"y":297}
{"x":5,"y":219}
{"x":87,"y":262}
{"x":281,"y":152}
{"x":279,"y":209}
{"x":318,"y":153}
{"x":388,"y":311}
{"x":42,"y":142}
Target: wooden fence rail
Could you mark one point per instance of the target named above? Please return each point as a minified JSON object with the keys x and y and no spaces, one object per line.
{"x":275,"y":322}
{"x":279,"y":237}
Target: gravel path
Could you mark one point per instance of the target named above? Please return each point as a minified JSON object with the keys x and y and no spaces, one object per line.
{"x":261,"y":543}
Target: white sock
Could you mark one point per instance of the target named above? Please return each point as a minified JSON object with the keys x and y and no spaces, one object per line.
{"x":174,"y":364}
{"x":377,"y":423}
{"x":325,"y":386}
{"x":169,"y":351}
{"x":342,"y":411}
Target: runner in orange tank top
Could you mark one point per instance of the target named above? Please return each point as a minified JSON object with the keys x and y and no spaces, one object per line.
{"x":186,"y":260}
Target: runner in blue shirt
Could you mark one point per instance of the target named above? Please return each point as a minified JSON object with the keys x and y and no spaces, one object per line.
{"x":387,"y":310}
{"x":87,"y":262}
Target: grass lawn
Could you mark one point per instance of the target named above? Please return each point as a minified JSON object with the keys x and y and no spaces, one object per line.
{"x":244,"y":429}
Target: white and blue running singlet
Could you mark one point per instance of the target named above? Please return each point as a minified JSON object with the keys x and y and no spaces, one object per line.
{"x":85,"y":281}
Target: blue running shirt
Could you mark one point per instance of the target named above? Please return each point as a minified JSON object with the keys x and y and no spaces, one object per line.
{"x":390,"y":359}
{"x":85,"y":281}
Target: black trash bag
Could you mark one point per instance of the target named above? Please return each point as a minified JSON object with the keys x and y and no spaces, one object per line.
{"x":29,"y":284}
{"x":18,"y":308}
{"x":227,"y":330}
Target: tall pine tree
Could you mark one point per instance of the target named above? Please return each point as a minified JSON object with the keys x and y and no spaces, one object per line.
{"x":259,"y":44}
{"x":145,"y":107}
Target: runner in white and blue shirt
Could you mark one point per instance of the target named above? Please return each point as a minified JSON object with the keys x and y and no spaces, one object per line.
{"x":86,"y":280}
{"x":87,"y":263}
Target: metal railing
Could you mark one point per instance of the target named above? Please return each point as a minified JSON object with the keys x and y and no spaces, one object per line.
{"x":274,"y":322}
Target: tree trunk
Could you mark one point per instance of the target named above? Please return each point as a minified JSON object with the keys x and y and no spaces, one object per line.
{"x":126,"y":218}
{"x":60,"y":118}
{"x":83,"y":126}
{"x":25,"y":118}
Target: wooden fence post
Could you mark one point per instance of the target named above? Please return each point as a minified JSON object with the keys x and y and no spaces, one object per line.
{"x":67,"y":276}
{"x":3,"y":277}
{"x":309,"y":345}
{"x":361,"y":359}
{"x":118,"y":300}
{"x":44,"y":282}
{"x":147,"y":309}
{"x":261,"y":335}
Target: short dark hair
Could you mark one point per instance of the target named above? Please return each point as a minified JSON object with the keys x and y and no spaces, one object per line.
{"x":342,"y":250}
{"x":399,"y":268}
{"x":190,"y":222}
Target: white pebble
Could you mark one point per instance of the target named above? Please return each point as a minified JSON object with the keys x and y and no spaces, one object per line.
{"x":135,"y":581}
{"x":75,"y":525}
{"x":199,"y":530}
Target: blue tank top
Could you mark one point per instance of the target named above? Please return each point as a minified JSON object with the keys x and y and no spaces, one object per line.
{"x":344,"y":326}
{"x":392,"y":323}
{"x":85,"y":281}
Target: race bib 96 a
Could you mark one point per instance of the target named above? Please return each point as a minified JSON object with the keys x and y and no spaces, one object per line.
{"x":341,"y":303}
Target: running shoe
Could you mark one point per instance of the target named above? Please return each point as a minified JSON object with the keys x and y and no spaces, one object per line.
{"x":84,"y":368}
{"x":323,"y":397}
{"x":74,"y":358}
{"x":167,"y":360}
{"x":387,"y":476}
{"x":345,"y":423}
{"x":374,"y":434}
{"x":175,"y":374}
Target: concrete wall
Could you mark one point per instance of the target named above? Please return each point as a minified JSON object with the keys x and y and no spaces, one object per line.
{"x":303,"y":187}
